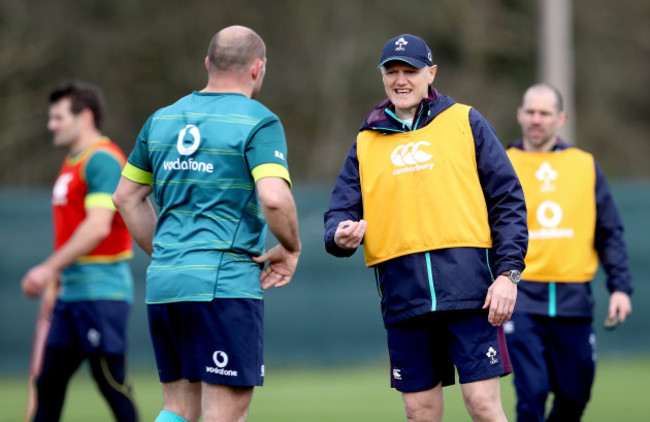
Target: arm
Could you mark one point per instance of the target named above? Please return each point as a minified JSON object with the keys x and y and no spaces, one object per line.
{"x":344,"y":226}
{"x":506,"y":208}
{"x":102,"y":171}
{"x":504,"y":198}
{"x":92,"y":230}
{"x":131,"y":199}
{"x":279,"y":210}
{"x":612,"y":251}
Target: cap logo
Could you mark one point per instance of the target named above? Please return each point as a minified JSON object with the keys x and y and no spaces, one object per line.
{"x":400,"y":44}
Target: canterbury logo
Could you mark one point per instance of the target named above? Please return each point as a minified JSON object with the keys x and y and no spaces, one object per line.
{"x":410,"y":154}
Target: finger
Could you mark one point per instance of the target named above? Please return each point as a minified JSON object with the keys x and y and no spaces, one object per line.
{"x":262,"y":258}
{"x":270,"y":279}
{"x":344,"y":225}
{"x":275,"y":280}
{"x":283,"y":282}
{"x":623,"y":312}
{"x":498,"y":313}
{"x":612,"y":311}
{"x":264,"y":275}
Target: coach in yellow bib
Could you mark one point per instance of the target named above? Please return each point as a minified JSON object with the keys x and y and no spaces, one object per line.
{"x":572,"y":222}
{"x":429,"y":190}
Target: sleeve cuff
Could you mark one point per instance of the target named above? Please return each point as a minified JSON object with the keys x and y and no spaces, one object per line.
{"x":99,"y":200}
{"x":137,"y":175}
{"x":271,"y":170}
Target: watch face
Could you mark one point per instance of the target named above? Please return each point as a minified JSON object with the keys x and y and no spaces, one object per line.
{"x":515,"y":276}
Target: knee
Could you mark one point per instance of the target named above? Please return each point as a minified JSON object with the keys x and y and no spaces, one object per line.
{"x":424,"y":405}
{"x":423,"y":412}
{"x":484,"y":406}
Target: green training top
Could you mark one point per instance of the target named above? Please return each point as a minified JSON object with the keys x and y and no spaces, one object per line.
{"x":202,"y":155}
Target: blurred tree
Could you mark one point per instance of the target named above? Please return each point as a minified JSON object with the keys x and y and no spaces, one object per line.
{"x":322,"y":77}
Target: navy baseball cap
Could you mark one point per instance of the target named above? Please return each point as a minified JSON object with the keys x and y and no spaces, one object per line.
{"x":407,"y":48}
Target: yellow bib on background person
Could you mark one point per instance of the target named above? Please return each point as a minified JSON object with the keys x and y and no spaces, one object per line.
{"x":421,"y":189}
{"x":559,"y":187}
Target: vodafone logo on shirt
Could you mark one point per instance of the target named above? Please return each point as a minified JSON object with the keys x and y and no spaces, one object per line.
{"x":187,"y":143}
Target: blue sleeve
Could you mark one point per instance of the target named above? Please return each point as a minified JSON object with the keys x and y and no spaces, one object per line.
{"x":609,"y":242}
{"x":504,"y":198}
{"x":102,"y":173}
{"x":345,"y":202}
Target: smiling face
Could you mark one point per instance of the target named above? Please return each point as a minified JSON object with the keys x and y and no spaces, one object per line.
{"x":406,"y":86}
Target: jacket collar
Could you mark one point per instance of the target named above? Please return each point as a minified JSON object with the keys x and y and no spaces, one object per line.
{"x":382,"y":117}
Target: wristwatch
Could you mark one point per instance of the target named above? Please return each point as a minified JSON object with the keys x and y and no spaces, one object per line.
{"x":513,"y":275}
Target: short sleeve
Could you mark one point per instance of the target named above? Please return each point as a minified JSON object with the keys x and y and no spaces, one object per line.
{"x":102,"y":174}
{"x":266,"y":151}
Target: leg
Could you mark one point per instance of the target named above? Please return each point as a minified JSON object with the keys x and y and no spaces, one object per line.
{"x":183,"y":398}
{"x":59,"y":364}
{"x":225,"y":403}
{"x":527,"y":345}
{"x":483,"y":400}
{"x":574,"y":364}
{"x":424,"y":406}
{"x":109,"y":373}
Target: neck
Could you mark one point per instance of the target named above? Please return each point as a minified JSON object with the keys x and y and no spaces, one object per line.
{"x":85,"y":140}
{"x":226,"y":85}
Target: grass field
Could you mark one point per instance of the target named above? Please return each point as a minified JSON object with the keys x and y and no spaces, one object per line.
{"x":340,"y":394}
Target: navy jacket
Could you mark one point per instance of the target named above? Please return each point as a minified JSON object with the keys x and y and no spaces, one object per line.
{"x":445,"y":279}
{"x":576,"y":299}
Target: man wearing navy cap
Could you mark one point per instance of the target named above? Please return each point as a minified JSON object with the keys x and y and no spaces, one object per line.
{"x":429,"y":190}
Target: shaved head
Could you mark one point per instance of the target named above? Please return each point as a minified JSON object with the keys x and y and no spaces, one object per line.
{"x":545,"y":88}
{"x":234,"y":48}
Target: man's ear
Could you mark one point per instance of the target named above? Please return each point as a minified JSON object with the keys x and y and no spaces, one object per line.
{"x":87,"y":117}
{"x":256,"y":69}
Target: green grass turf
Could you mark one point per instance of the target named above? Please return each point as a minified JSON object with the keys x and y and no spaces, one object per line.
{"x":345,"y":394}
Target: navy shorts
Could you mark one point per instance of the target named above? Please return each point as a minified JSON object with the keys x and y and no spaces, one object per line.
{"x":92,"y":326}
{"x":424,"y":350}
{"x":217,"y":342}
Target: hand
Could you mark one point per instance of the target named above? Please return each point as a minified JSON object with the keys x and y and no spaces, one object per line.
{"x":282,"y":266}
{"x":37,"y":279}
{"x":501,"y":297}
{"x":619,"y":306}
{"x":349,"y":234}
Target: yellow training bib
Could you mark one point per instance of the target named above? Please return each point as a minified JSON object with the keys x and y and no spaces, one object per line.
{"x":421,"y":189}
{"x":559,"y":187}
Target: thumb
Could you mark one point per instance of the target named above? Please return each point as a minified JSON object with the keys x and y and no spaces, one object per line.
{"x":488,"y":299}
{"x":262,"y":258}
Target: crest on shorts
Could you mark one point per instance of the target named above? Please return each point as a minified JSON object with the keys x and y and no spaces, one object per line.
{"x":491,"y":353}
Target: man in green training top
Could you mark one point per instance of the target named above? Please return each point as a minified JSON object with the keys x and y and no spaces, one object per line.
{"x":216,"y":163}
